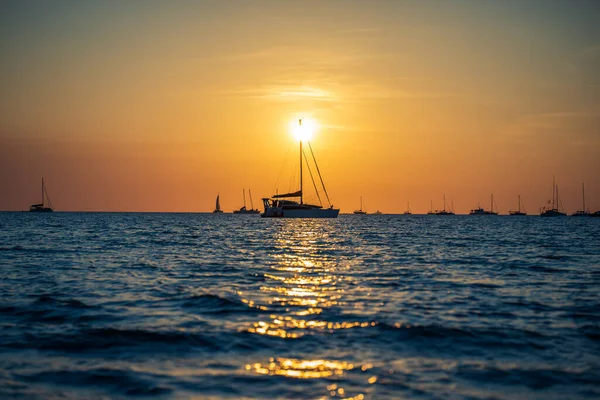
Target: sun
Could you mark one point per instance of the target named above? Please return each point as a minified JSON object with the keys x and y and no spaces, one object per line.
{"x":304,"y":128}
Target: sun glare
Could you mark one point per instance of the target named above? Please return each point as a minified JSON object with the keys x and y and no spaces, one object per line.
{"x":304,"y":128}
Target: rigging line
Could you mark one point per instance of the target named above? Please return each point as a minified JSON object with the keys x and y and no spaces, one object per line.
{"x":292,"y":183}
{"x":319,"y":172}
{"x":282,"y":167}
{"x":311,"y":178}
{"x":48,"y":197}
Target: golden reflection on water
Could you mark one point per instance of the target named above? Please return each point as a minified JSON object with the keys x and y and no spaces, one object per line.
{"x":301,"y":369}
{"x":303,"y":281}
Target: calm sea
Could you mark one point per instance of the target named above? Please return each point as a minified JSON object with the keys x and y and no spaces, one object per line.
{"x":114,"y":305}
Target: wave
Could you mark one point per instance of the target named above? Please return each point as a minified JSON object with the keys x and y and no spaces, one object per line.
{"x":214,"y":304}
{"x":534,"y":378}
{"x":115,"y":381}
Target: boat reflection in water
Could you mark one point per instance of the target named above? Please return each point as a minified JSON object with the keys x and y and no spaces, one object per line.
{"x":304,"y":295}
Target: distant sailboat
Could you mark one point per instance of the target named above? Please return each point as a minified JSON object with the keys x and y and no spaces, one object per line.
{"x":217,"y":206}
{"x":444,"y":211}
{"x":360,"y":211}
{"x":583,"y":212}
{"x":518,"y":211}
{"x":431,"y":211}
{"x":377,"y":212}
{"x":243,"y":209}
{"x":279,"y":207}
{"x":407,"y":212}
{"x":42,"y":207}
{"x":481,"y":211}
{"x":555,"y":210}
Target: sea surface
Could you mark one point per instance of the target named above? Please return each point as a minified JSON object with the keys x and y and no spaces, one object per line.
{"x":136,"y":305}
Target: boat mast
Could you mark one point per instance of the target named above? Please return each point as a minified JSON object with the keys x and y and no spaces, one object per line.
{"x":251,"y":204}
{"x":553,"y":189}
{"x":583,"y":194}
{"x":300,"y":123}
{"x":42,"y":192}
{"x":519,"y":205}
{"x":492,"y":203}
{"x":244,"y":194}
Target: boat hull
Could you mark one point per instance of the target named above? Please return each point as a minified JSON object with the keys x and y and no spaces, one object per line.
{"x":300,"y":213}
{"x":41,"y":209}
{"x":246,"y":212}
{"x":552,"y":213}
{"x":580,"y":214}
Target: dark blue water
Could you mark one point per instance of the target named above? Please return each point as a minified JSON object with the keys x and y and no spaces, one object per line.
{"x":96,"y":305}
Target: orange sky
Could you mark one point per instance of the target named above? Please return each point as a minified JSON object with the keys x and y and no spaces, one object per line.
{"x":146,"y":106}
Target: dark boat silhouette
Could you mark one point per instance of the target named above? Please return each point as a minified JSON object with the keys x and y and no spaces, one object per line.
{"x":444,"y":211}
{"x":360,"y":211}
{"x":518,"y":211}
{"x":243,"y":209}
{"x":217,"y":206}
{"x":554,"y":211}
{"x":278,"y":206}
{"x":481,"y":211}
{"x":583,"y":212}
{"x":42,"y":206}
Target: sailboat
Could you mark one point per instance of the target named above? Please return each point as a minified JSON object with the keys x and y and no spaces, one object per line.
{"x":217,"y":206}
{"x":518,"y":211}
{"x":481,"y":211}
{"x":554,"y":211}
{"x":243,"y":209}
{"x":360,"y":211}
{"x":583,"y":212}
{"x":407,"y":212}
{"x":279,"y":205}
{"x":431,"y":212}
{"x":444,"y":211}
{"x":42,"y":206}
{"x":377,"y":212}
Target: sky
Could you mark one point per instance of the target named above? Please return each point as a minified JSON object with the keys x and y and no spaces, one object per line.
{"x":160,"y":106}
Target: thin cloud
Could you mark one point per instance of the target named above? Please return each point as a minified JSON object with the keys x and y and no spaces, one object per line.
{"x":592,"y":50}
{"x":287,"y":93}
{"x":534,"y":124}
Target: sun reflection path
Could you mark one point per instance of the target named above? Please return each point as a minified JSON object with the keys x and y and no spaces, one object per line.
{"x":305,"y":280}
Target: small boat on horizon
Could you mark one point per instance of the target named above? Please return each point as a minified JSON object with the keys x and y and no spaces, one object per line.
{"x":518,"y":211}
{"x":431,"y":211}
{"x":444,"y":211}
{"x":407,"y":212}
{"x":583,"y":212}
{"x":360,"y":211}
{"x":481,"y":211}
{"x":278,"y":206}
{"x":217,"y":206}
{"x":555,"y":211}
{"x":42,"y":206}
{"x":377,"y":212}
{"x":243,"y":209}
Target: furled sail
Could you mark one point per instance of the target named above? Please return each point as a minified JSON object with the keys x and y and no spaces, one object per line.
{"x":293,"y":194}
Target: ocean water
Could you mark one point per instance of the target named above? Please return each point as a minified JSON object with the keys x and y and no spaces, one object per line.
{"x":120,"y":305}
